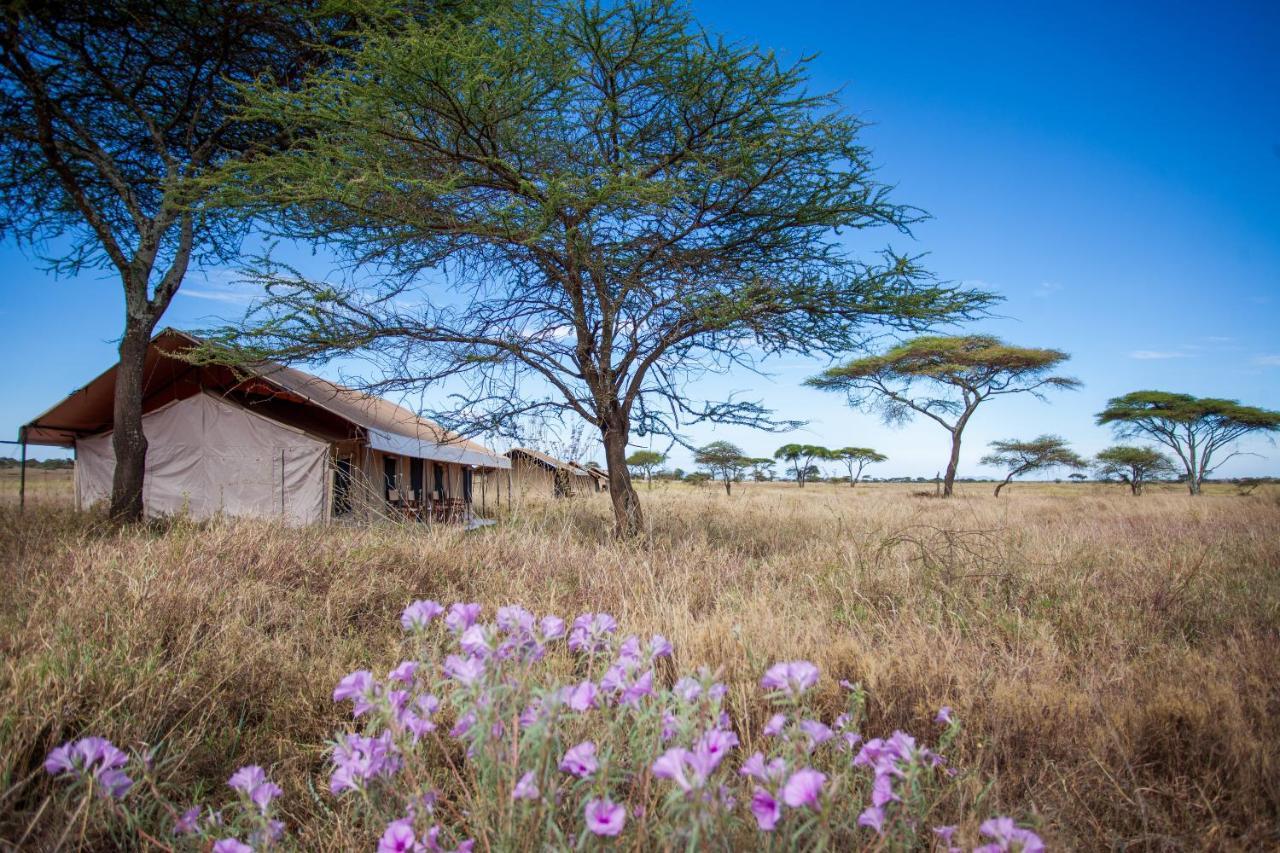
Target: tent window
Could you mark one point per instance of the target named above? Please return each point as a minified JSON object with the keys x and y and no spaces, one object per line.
{"x":466,"y":484}
{"x":416,"y":477}
{"x":389,"y":469}
{"x":438,"y":473}
{"x":342,"y":487}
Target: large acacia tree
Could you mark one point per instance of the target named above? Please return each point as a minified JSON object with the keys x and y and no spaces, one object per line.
{"x":855,"y":459}
{"x":112,"y":114}
{"x":1020,"y":457}
{"x":1196,"y":429}
{"x":574,"y":208}
{"x":945,"y":379}
{"x":1133,"y":465}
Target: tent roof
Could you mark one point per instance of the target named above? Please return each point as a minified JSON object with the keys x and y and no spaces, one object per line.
{"x":550,"y":461}
{"x":88,"y":410}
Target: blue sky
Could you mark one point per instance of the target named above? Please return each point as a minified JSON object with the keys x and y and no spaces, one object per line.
{"x":1112,"y":170}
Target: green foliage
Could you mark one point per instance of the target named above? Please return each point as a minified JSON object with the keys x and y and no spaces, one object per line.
{"x":1039,"y":454}
{"x":723,"y":459}
{"x":801,"y":457}
{"x":1196,"y":429}
{"x":857,"y":458}
{"x":616,"y":200}
{"x":1133,"y":465}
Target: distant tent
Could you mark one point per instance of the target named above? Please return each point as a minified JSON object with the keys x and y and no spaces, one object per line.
{"x":535,"y":472}
{"x":271,"y":441}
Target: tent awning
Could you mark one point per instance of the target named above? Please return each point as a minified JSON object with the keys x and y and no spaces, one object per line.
{"x":458,"y":454}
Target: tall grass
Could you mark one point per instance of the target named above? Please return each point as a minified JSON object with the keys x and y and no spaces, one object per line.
{"x":1113,"y":660}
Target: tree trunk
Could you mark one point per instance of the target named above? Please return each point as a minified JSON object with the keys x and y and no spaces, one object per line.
{"x":127,"y":438}
{"x":949,"y":482}
{"x":728,"y":485}
{"x":1002,"y":485}
{"x":627,"y":519}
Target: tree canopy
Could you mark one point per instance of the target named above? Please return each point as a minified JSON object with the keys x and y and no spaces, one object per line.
{"x":1038,"y":454}
{"x":1196,"y":429}
{"x":646,"y":462}
{"x":576,"y":209}
{"x":801,"y":458}
{"x":1132,"y":465}
{"x":944,"y":379}
{"x":855,"y":459}
{"x":723,"y":459}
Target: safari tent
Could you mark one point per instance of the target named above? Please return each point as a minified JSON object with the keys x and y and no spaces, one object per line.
{"x":273,"y":442}
{"x":538,"y":473}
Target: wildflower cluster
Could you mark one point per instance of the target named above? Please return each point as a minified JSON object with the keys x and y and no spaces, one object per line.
{"x":524,"y":731}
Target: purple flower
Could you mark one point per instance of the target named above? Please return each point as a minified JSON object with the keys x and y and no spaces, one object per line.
{"x":671,"y":764}
{"x":755,"y":768}
{"x":775,"y":725}
{"x":582,"y":697}
{"x":638,"y":689}
{"x":944,"y":715}
{"x":95,"y":757}
{"x":604,"y":817}
{"x":791,"y":678}
{"x":659,"y":647}
{"x":188,"y":822}
{"x":419,"y":614}
{"x":398,"y":838}
{"x":687,"y":689}
{"x":358,"y":687}
{"x":1008,"y":836}
{"x":766,"y":809}
{"x":404,"y":672}
{"x":945,"y":833}
{"x":252,"y":781}
{"x":580,"y":760}
{"x":711,"y":749}
{"x":474,"y":642}
{"x":872,"y":818}
{"x":461,"y":617}
{"x":552,"y":628}
{"x":231,"y":845}
{"x":464,"y":670}
{"x":515,"y":619}
{"x":589,"y":632}
{"x":817,"y":733}
{"x":526,"y":788}
{"x":358,"y":759}
{"x":882,"y":791}
{"x":804,"y":788}
{"x":629,"y":653}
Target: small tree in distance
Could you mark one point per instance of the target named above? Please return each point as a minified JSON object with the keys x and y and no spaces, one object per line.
{"x":957,"y":374}
{"x":1133,"y":465}
{"x":1196,"y":429}
{"x":646,"y":462}
{"x":801,"y":458}
{"x":761,"y":469}
{"x":1023,"y":457}
{"x":855,"y":459}
{"x":724,"y":460}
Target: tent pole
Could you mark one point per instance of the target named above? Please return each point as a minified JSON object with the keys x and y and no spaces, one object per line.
{"x":22,"y":471}
{"x":484,"y":480}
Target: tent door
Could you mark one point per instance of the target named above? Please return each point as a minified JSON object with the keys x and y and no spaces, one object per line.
{"x":437,"y":471}
{"x":467,"y":483}
{"x":390,"y":466}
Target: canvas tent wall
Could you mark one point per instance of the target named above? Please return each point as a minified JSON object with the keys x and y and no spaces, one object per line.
{"x":539,"y":474}
{"x":207,"y":456}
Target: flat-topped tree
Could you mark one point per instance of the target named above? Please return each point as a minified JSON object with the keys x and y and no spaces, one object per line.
{"x":646,"y":462}
{"x":1133,"y":465}
{"x":801,"y":458}
{"x":576,"y":208}
{"x":1196,"y":429}
{"x":723,"y":460}
{"x":945,"y":379}
{"x":1023,"y":457}
{"x":761,"y":469}
{"x":855,"y":459}
{"x":112,"y":116}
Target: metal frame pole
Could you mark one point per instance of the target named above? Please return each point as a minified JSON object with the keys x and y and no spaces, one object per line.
{"x":22,"y":471}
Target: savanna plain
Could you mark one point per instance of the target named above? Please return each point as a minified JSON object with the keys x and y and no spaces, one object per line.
{"x":1114,"y":660}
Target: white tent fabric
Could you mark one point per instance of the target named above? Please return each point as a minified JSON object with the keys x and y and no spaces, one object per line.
{"x":207,"y":456}
{"x":457,"y":453}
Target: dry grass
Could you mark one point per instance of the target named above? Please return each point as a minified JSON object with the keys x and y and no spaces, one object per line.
{"x":1114,"y":660}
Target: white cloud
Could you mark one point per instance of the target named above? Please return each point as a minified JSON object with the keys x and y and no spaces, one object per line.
{"x":1047,"y":289}
{"x":1268,"y":360}
{"x":1152,"y":355}
{"x":217,"y":295}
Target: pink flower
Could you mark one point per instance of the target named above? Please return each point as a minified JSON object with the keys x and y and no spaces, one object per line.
{"x":419,"y":614}
{"x":659,"y":647}
{"x":670,"y":765}
{"x":817,"y":732}
{"x":791,"y":678}
{"x":758,"y":770}
{"x":803,"y":788}
{"x":775,"y":725}
{"x":231,"y":845}
{"x":872,"y":818}
{"x":766,"y":809}
{"x":398,"y":838}
{"x":580,"y":760}
{"x":604,"y":817}
{"x":944,"y":715}
{"x":582,"y":697}
{"x":526,"y":788}
{"x":638,"y":689}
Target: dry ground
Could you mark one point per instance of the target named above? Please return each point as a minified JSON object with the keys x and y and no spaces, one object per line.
{"x":1116,"y":661}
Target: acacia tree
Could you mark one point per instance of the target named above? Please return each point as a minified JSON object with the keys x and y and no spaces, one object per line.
{"x":1023,"y":457}
{"x":855,"y":459}
{"x":761,"y":469}
{"x":801,"y":458}
{"x":1133,"y":465}
{"x":646,"y":461}
{"x":112,"y":114}
{"x":945,"y":379}
{"x":574,"y":208}
{"x":723,"y":459}
{"x":1196,"y":429}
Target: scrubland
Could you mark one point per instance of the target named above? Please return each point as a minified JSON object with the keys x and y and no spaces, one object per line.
{"x":1114,"y":661}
